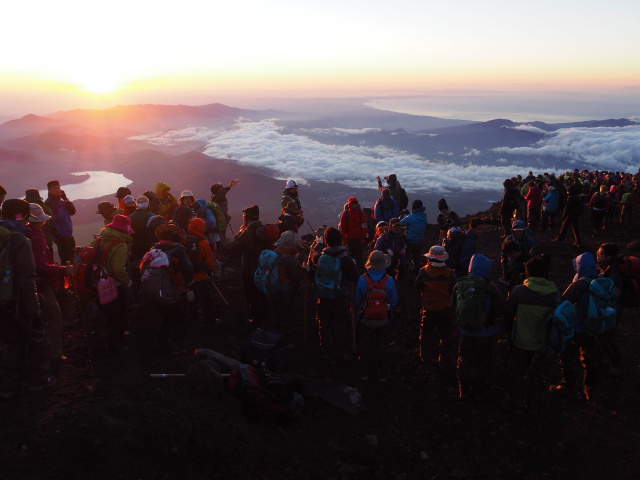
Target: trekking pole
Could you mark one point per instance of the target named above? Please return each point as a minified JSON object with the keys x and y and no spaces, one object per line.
{"x":312,"y":229}
{"x":87,"y":354}
{"x":215,"y":287}
{"x":231,"y":228}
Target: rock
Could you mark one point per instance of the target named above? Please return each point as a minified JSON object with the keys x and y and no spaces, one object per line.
{"x":424,"y":455}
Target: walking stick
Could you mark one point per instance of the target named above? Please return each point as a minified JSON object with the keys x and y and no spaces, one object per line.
{"x":215,"y":287}
{"x":87,"y":354}
{"x":312,"y":229}
{"x":231,"y":228}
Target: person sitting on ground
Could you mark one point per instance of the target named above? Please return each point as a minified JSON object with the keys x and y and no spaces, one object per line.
{"x":375,"y":298}
{"x":446,"y":219}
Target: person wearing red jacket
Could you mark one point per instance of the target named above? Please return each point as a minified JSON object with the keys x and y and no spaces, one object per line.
{"x":353,"y":227}
{"x":47,"y":275}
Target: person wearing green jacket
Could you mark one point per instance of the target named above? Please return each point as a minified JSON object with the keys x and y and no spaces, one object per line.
{"x":527,"y":307}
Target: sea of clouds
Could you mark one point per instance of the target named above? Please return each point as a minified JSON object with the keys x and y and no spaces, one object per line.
{"x":293,"y":155}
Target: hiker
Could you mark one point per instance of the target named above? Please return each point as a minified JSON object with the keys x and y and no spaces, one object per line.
{"x":526,"y":309}
{"x":32,"y":195}
{"x":392,"y":242}
{"x":397,"y":192}
{"x":249,"y":245}
{"x":584,"y":347}
{"x":288,"y":220}
{"x":514,"y":258}
{"x":354,"y":230}
{"x":627,"y":202}
{"x":571,"y":214}
{"x":211,"y":233}
{"x":415,"y":224}
{"x":385,"y":207}
{"x":48,"y":275}
{"x":435,"y":282}
{"x":509,"y":204}
{"x":599,"y":204}
{"x":186,"y":198}
{"x":174,"y":317}
{"x":154,"y":201}
{"x":182,"y":215}
{"x":167,"y":203}
{"x":375,"y":298}
{"x":121,"y":194}
{"x":453,"y":246}
{"x":608,"y":261}
{"x":521,"y":236}
{"x":203,"y":262}
{"x":108,"y":210}
{"x":534,"y":204}
{"x":551,"y":202}
{"x":290,"y":194}
{"x":335,"y":271}
{"x":152,"y":224}
{"x":130,"y":205}
{"x":141,"y":240}
{"x":26,"y":353}
{"x":446,"y":219}
{"x":290,"y":277}
{"x":475,"y":231}
{"x":478,"y":305}
{"x":116,"y":260}
{"x":62,"y":209}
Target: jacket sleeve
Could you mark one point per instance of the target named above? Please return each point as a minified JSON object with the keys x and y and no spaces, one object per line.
{"x":70,"y":207}
{"x":186,"y":268}
{"x":206,"y":255}
{"x":396,"y":208}
{"x":349,"y":268}
{"x":41,"y":257}
{"x":361,"y":288}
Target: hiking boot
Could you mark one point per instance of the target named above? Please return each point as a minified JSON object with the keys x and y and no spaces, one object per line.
{"x":49,"y":381}
{"x":384,"y":374}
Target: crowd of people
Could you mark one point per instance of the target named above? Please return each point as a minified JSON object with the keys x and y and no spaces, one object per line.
{"x":355,"y":270}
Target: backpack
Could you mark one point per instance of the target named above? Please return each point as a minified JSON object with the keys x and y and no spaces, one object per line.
{"x":471,"y":305}
{"x":192,"y":252}
{"x":559,"y":326}
{"x":629,"y":268}
{"x":6,"y":267}
{"x":601,"y":312}
{"x":221,"y":219}
{"x":265,"y":349}
{"x":626,"y":198}
{"x":329,"y":277}
{"x":266,"y":275}
{"x":374,"y":309}
{"x":157,"y":283}
{"x":90,"y":267}
{"x":599,"y":201}
{"x":267,"y":234}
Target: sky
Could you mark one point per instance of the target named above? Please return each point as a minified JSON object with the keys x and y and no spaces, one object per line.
{"x":78,"y":54}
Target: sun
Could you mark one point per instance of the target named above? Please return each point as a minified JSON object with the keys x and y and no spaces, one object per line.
{"x":100,"y":85}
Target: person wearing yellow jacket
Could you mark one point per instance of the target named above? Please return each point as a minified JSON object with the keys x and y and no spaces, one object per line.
{"x":119,"y":230}
{"x":168,"y":202}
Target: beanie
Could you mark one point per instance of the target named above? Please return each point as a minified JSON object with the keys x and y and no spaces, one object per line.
{"x":416,"y":204}
{"x":252,"y":212}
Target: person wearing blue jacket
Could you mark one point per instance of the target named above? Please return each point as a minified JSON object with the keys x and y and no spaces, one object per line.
{"x":584,"y":347}
{"x":551,"y":202}
{"x":386,"y":207}
{"x":373,"y":333}
{"x":475,"y":353}
{"x":210,"y":226}
{"x":415,"y":224}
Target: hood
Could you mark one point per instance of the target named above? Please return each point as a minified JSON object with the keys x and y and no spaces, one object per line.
{"x":540,"y":285}
{"x":159,"y":188}
{"x":108,"y":234}
{"x":334,"y":251}
{"x":202,"y":203}
{"x":480,"y":266}
{"x":196,"y":227}
{"x":419,"y":209}
{"x":585,"y":265}
{"x":14,"y":226}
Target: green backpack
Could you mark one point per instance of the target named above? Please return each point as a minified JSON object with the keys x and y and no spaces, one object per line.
{"x":471,"y":304}
{"x":221,"y":219}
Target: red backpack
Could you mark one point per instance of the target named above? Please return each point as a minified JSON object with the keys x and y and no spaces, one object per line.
{"x":90,"y":267}
{"x":374,"y":309}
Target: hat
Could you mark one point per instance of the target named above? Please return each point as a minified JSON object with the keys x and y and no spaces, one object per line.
{"x":437,"y":254}
{"x":15,"y":209}
{"x":53,"y":183}
{"x":122,"y":192}
{"x":392,"y":178}
{"x":291,"y":184}
{"x":142,"y":201}
{"x":122,"y":223}
{"x":252,"y":212}
{"x":416,"y":204}
{"x":186,"y":193}
{"x":352,"y":200}
{"x":378,"y":260}
{"x":38,"y":213}
{"x":518,"y":225}
{"x":105,"y":207}
{"x":288,"y":239}
{"x":216,"y":187}
{"x":32,"y":193}
{"x":128,"y":199}
{"x":394,"y":221}
{"x":552,"y":188}
{"x":442,"y":205}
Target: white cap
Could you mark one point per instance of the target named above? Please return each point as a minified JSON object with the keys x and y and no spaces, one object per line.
{"x":291,"y":184}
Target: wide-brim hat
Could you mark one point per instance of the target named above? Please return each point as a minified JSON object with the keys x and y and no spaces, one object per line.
{"x":378,"y":260}
{"x":437,"y":254}
{"x":38,"y":213}
{"x":122,"y":223}
{"x":185,"y":194}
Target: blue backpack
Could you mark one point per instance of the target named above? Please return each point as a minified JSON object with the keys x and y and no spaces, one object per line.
{"x":560,"y":327}
{"x":601,"y":312}
{"x":329,"y":277}
{"x":266,"y":275}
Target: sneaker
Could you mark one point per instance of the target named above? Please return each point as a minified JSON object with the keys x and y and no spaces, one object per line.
{"x":50,"y":381}
{"x":384,"y":374}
